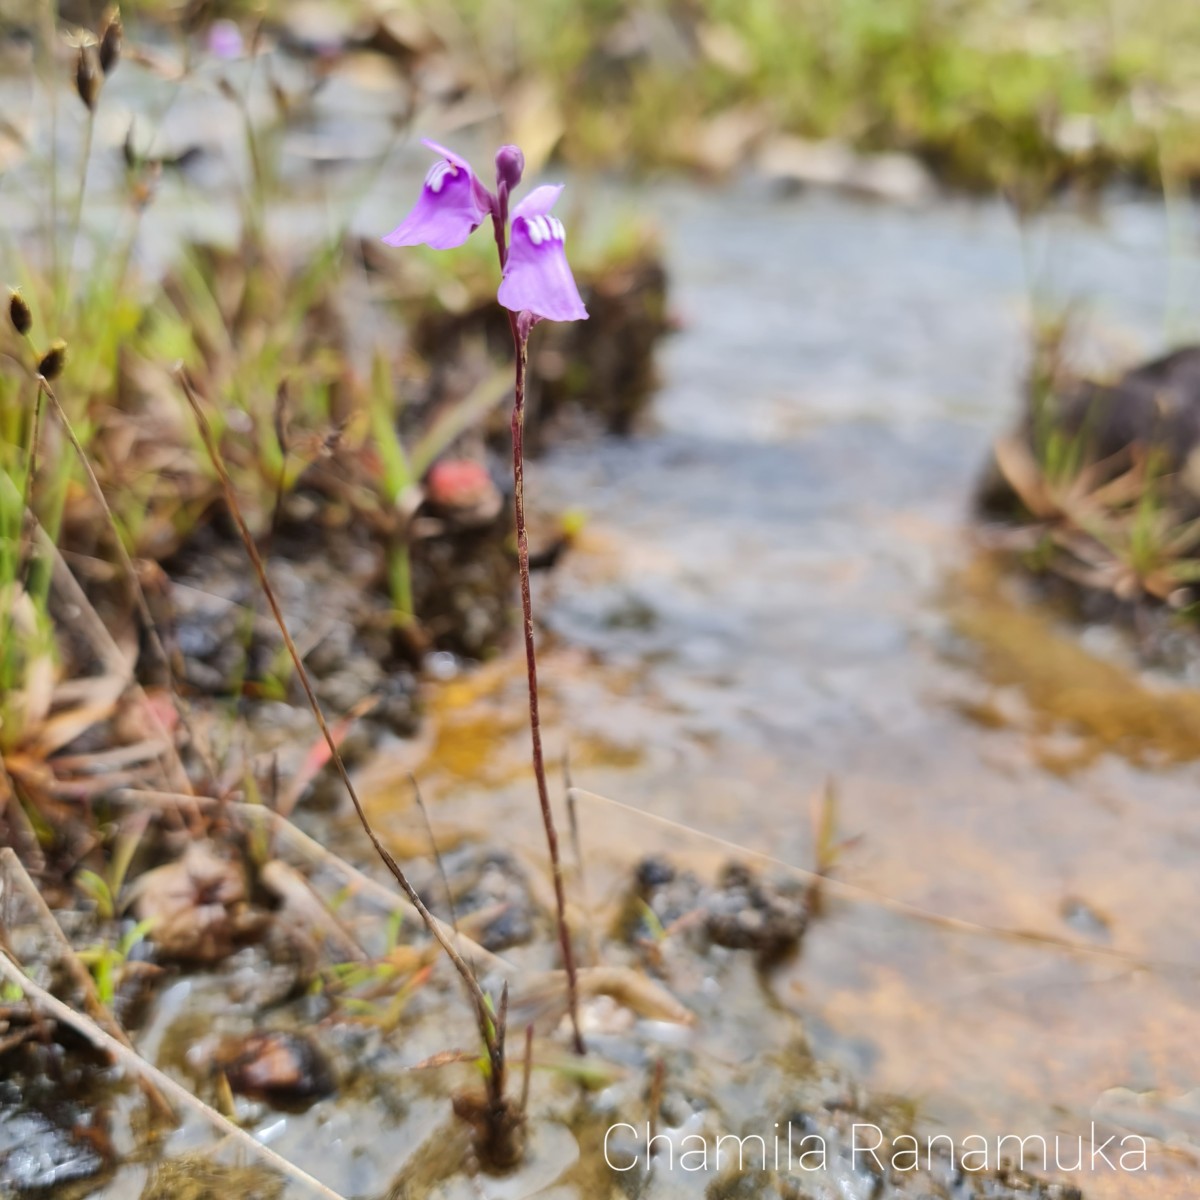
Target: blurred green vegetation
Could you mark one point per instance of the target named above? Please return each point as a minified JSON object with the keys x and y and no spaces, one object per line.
{"x":987,"y":92}
{"x":980,"y":89}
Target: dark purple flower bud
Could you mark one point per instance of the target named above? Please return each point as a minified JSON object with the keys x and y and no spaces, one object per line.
{"x":510,"y":166}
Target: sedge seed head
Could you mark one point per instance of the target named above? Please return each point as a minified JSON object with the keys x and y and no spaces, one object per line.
{"x":87,"y":77}
{"x":19,"y":312}
{"x":51,"y":364}
{"x":110,"y":43}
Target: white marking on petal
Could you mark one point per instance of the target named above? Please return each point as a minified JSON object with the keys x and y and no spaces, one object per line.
{"x":438,"y":175}
{"x":533,"y":227}
{"x":556,"y":228}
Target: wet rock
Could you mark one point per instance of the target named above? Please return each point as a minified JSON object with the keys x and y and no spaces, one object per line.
{"x":660,"y":896}
{"x":491,"y":897}
{"x":1154,"y":407}
{"x":198,"y":906}
{"x":740,"y":912}
{"x":54,"y":1118}
{"x":272,"y":970}
{"x":653,"y":873}
{"x":284,"y":1069}
{"x":743,"y":913}
{"x":38,"y":1155}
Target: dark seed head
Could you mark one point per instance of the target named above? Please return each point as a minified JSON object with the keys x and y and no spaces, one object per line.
{"x":87,"y":77}
{"x":52,"y":362}
{"x":110,"y":43}
{"x":19,"y":313}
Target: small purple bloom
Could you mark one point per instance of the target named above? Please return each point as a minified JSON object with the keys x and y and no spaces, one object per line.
{"x":225,"y":40}
{"x":453,"y":203}
{"x":537,"y":276}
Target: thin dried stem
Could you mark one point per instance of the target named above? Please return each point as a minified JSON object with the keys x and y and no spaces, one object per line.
{"x":437,"y":854}
{"x":526,"y":1069}
{"x":35,"y":437}
{"x":497,"y":1080}
{"x":577,"y":851}
{"x":127,"y":565}
{"x":28,"y":522}
{"x":130,"y":1059}
{"x":235,"y":511}
{"x":89,"y":134}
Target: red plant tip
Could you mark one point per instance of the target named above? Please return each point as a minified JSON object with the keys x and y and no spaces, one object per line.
{"x":510,"y":166}
{"x":458,"y":483}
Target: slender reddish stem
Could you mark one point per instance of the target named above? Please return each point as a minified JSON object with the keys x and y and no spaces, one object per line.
{"x":520,"y":336}
{"x":521,"y":342}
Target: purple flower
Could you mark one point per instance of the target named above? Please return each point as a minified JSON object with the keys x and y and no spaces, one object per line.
{"x":225,"y":40}
{"x":536,"y":279}
{"x":537,"y":276}
{"x":452,"y":206}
